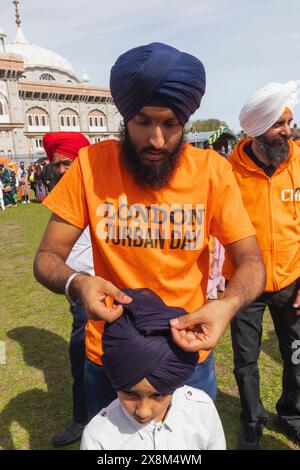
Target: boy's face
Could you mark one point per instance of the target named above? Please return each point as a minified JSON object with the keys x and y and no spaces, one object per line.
{"x":144,"y":403}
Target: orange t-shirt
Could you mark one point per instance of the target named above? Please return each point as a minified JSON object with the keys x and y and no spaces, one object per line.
{"x":147,"y":238}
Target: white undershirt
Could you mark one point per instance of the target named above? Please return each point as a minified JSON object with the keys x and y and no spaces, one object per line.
{"x":81,"y":256}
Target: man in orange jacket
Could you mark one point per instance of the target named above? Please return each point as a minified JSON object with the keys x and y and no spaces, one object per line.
{"x":267,"y":169}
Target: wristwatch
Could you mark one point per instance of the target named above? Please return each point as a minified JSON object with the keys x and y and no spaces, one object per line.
{"x":74,"y":302}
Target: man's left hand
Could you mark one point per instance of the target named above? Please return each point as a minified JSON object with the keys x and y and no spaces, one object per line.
{"x":202,"y":329}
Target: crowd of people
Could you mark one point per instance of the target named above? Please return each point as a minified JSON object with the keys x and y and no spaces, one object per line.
{"x":136,"y":242}
{"x":39,"y":178}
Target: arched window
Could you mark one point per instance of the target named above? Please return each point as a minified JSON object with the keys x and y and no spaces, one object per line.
{"x":68,"y":121}
{"x":48,"y":77}
{"x":74,"y":121}
{"x":69,"y":81}
{"x":96,"y":119}
{"x":1,"y":109}
{"x":29,"y":120}
{"x":62,"y":121}
{"x":43,"y":120}
{"x":36,"y":120}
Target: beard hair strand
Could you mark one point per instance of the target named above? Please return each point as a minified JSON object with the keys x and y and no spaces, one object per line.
{"x":156,"y":176}
{"x":275,"y":151}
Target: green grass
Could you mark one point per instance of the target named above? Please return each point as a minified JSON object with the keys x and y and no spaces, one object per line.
{"x":35,"y":382}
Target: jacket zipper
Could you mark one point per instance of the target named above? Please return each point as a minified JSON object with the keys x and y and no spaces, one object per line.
{"x":272,"y":234}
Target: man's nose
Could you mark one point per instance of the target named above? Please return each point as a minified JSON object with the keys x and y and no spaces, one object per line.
{"x":157,"y":139}
{"x":61,"y":170}
{"x":286,"y":130}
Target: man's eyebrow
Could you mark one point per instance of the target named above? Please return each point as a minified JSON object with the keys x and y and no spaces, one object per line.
{"x":282,"y":120}
{"x":172,"y":118}
{"x":140,"y":113}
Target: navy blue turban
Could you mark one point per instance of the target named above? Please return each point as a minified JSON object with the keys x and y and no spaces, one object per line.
{"x":139,"y":345}
{"x":157,"y":74}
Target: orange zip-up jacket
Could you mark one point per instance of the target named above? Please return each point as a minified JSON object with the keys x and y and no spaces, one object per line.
{"x":273,"y":204}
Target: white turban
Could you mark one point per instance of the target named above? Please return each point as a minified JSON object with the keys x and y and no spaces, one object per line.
{"x":266,"y":106}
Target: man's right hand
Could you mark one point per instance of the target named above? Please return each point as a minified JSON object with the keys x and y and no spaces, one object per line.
{"x":92,"y":290}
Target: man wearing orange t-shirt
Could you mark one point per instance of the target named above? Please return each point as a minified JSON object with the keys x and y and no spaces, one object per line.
{"x":267,"y":169}
{"x":151,"y":202}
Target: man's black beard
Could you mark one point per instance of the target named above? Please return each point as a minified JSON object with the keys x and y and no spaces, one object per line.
{"x":154,"y":176}
{"x":275,"y":150}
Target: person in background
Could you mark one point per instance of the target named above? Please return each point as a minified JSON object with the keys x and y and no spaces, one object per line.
{"x":2,"y":206}
{"x":8,"y":196}
{"x":13,"y":181}
{"x":267,"y":168}
{"x":295,"y":132}
{"x":216,"y":281}
{"x":243,"y":135}
{"x":25,"y":193}
{"x":40,"y":188}
{"x":31,"y":172}
{"x":21,"y":170}
{"x":62,"y":149}
{"x":223,"y":151}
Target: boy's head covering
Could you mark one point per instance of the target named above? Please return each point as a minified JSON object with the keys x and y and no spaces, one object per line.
{"x":139,"y":345}
{"x":265,"y":107}
{"x":157,"y":74}
{"x":67,"y":144}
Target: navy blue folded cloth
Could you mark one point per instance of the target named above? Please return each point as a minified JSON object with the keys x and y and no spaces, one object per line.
{"x":154,"y":72}
{"x":139,"y":345}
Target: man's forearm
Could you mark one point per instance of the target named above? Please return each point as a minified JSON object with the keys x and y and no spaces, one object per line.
{"x":246,"y":285}
{"x":51,"y":271}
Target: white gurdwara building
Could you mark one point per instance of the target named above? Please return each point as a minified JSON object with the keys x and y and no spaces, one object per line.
{"x":40,"y":93}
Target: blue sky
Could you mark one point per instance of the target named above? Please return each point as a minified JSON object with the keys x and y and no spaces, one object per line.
{"x":243,"y":44}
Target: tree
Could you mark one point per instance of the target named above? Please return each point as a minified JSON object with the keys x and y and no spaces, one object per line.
{"x":205,"y":125}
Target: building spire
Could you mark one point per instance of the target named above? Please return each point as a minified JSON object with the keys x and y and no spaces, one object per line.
{"x":18,"y":19}
{"x":20,"y":38}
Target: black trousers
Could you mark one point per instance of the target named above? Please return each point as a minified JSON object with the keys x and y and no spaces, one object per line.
{"x":77,"y":359}
{"x":246,"y":333}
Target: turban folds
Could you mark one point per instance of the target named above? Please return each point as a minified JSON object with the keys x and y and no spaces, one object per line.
{"x":157,"y":72}
{"x":266,"y":106}
{"x":139,"y":345}
{"x":67,"y":144}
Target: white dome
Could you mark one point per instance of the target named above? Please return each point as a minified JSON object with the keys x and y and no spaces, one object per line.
{"x":36,"y":56}
{"x":85,"y":78}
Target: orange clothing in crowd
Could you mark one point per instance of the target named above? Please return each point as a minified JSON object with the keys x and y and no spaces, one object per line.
{"x":273,"y":204}
{"x":147,"y":238}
